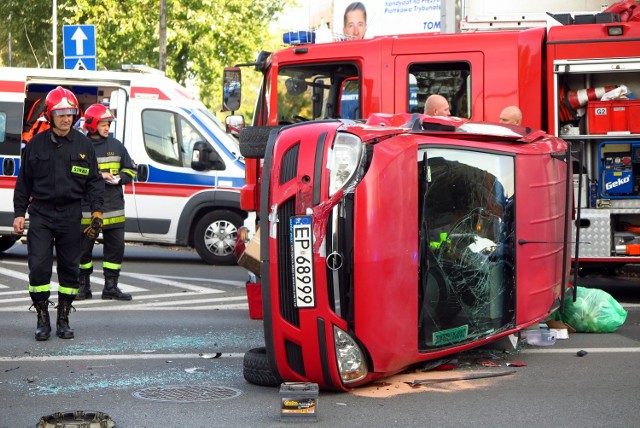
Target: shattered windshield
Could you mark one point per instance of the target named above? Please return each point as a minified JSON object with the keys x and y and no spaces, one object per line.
{"x":467,"y":229}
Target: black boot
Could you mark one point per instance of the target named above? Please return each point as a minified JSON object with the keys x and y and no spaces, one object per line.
{"x":84,"y":291}
{"x":43,"y":328}
{"x":111,"y":290}
{"x":63,"y":329}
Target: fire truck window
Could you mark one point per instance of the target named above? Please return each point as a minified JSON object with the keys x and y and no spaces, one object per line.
{"x":452,"y":80}
{"x":467,"y":284}
{"x":350,"y":100}
{"x":160,"y":137}
{"x":317,"y":91}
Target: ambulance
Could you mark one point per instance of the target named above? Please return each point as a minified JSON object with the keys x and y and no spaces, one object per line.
{"x":190,"y":170}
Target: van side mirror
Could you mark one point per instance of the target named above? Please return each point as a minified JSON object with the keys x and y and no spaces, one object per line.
{"x":204,"y":158}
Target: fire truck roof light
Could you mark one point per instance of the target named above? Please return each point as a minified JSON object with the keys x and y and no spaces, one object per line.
{"x":614,"y":30}
{"x":295,"y":38}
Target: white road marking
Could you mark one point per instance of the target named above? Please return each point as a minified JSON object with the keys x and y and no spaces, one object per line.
{"x":574,"y":350}
{"x":142,"y":356}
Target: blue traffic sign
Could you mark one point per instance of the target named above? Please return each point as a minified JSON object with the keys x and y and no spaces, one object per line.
{"x":79,"y":46}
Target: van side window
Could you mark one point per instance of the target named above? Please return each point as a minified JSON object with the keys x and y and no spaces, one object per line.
{"x":452,"y":80}
{"x":10,"y":128}
{"x":161,"y":137}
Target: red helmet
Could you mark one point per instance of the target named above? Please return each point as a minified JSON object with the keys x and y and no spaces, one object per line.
{"x":61,"y":101}
{"x":94,"y":114}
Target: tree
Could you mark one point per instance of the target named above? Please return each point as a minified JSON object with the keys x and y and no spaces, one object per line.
{"x":203,"y":36}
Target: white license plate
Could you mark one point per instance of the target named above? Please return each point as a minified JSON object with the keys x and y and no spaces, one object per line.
{"x":302,"y":255}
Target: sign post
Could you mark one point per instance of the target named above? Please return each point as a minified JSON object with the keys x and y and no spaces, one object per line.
{"x":79,"y":47}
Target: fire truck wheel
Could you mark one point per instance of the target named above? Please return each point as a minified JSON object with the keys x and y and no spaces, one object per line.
{"x":215,"y":237}
{"x":253,"y":141}
{"x":256,"y":369}
{"x":6,"y":242}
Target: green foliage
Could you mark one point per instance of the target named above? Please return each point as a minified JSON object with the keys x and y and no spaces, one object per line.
{"x":203,"y":36}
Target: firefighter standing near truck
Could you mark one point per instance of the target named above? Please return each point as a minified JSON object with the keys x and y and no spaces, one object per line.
{"x":58,"y":169}
{"x":117,"y":169}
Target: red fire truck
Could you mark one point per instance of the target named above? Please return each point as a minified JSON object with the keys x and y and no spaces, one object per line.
{"x":550,"y":73}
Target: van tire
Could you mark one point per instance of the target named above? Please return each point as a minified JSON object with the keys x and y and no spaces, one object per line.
{"x":6,"y":242}
{"x":253,"y":141}
{"x":215,"y":237}
{"x":256,"y":369}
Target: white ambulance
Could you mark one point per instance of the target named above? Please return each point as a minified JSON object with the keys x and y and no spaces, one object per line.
{"x":173,"y":201}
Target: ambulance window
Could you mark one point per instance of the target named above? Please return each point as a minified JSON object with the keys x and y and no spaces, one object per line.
{"x":10,"y":128}
{"x":3,"y":126}
{"x":452,"y":80}
{"x":160,"y":137}
{"x":189,"y":136}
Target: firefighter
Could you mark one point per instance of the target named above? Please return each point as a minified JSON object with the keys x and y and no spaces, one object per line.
{"x":437,"y":105}
{"x":511,"y":116}
{"x":117,"y":169}
{"x":58,"y":169}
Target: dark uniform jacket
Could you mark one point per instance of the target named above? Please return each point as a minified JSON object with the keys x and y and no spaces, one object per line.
{"x":58,"y":171}
{"x":113,"y":158}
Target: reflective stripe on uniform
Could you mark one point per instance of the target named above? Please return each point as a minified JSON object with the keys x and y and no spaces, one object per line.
{"x":67,"y":290}
{"x":108,"y":215}
{"x":131,"y":173}
{"x":112,"y":266}
{"x":86,"y":266}
{"x":39,"y":288}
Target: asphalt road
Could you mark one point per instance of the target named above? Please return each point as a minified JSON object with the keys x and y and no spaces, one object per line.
{"x":172,"y":357}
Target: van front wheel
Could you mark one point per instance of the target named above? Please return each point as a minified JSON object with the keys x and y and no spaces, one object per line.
{"x":215,"y":237}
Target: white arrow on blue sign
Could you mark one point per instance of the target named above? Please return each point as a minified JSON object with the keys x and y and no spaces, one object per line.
{"x":79,"y":46}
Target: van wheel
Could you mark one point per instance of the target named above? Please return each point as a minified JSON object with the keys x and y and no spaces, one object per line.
{"x":256,"y":368}
{"x":6,"y":242}
{"x":215,"y":237}
{"x":253,"y":141}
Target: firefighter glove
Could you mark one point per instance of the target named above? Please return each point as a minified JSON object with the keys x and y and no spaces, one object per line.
{"x":95,"y":226}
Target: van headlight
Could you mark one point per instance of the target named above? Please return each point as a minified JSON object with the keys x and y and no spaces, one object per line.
{"x":351,"y":362}
{"x":344,"y":161}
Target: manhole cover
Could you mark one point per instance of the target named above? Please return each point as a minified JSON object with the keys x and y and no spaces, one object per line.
{"x":187,"y":393}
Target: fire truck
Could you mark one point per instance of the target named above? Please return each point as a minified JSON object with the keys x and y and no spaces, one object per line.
{"x":361,"y":253}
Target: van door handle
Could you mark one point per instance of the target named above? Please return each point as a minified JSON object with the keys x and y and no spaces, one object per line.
{"x":143,"y":173}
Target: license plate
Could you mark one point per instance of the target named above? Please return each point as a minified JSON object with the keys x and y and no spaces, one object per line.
{"x":302,"y":258}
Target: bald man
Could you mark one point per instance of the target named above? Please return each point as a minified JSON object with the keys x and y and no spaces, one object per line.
{"x":511,"y":116}
{"x":437,"y":105}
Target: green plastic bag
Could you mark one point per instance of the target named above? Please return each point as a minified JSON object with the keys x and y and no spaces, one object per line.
{"x":594,"y":311}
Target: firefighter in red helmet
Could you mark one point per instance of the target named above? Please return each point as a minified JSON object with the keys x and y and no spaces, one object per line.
{"x":117,"y":169}
{"x":57,"y":170}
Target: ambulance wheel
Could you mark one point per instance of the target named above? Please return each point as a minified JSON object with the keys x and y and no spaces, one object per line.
{"x":256,"y":369}
{"x":215,"y":237}
{"x":6,"y":242}
{"x":253,"y":141}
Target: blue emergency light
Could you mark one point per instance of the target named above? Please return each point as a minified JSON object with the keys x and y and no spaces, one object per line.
{"x":299,"y":37}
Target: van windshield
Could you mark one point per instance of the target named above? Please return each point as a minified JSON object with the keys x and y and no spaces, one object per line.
{"x":467,"y":230}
